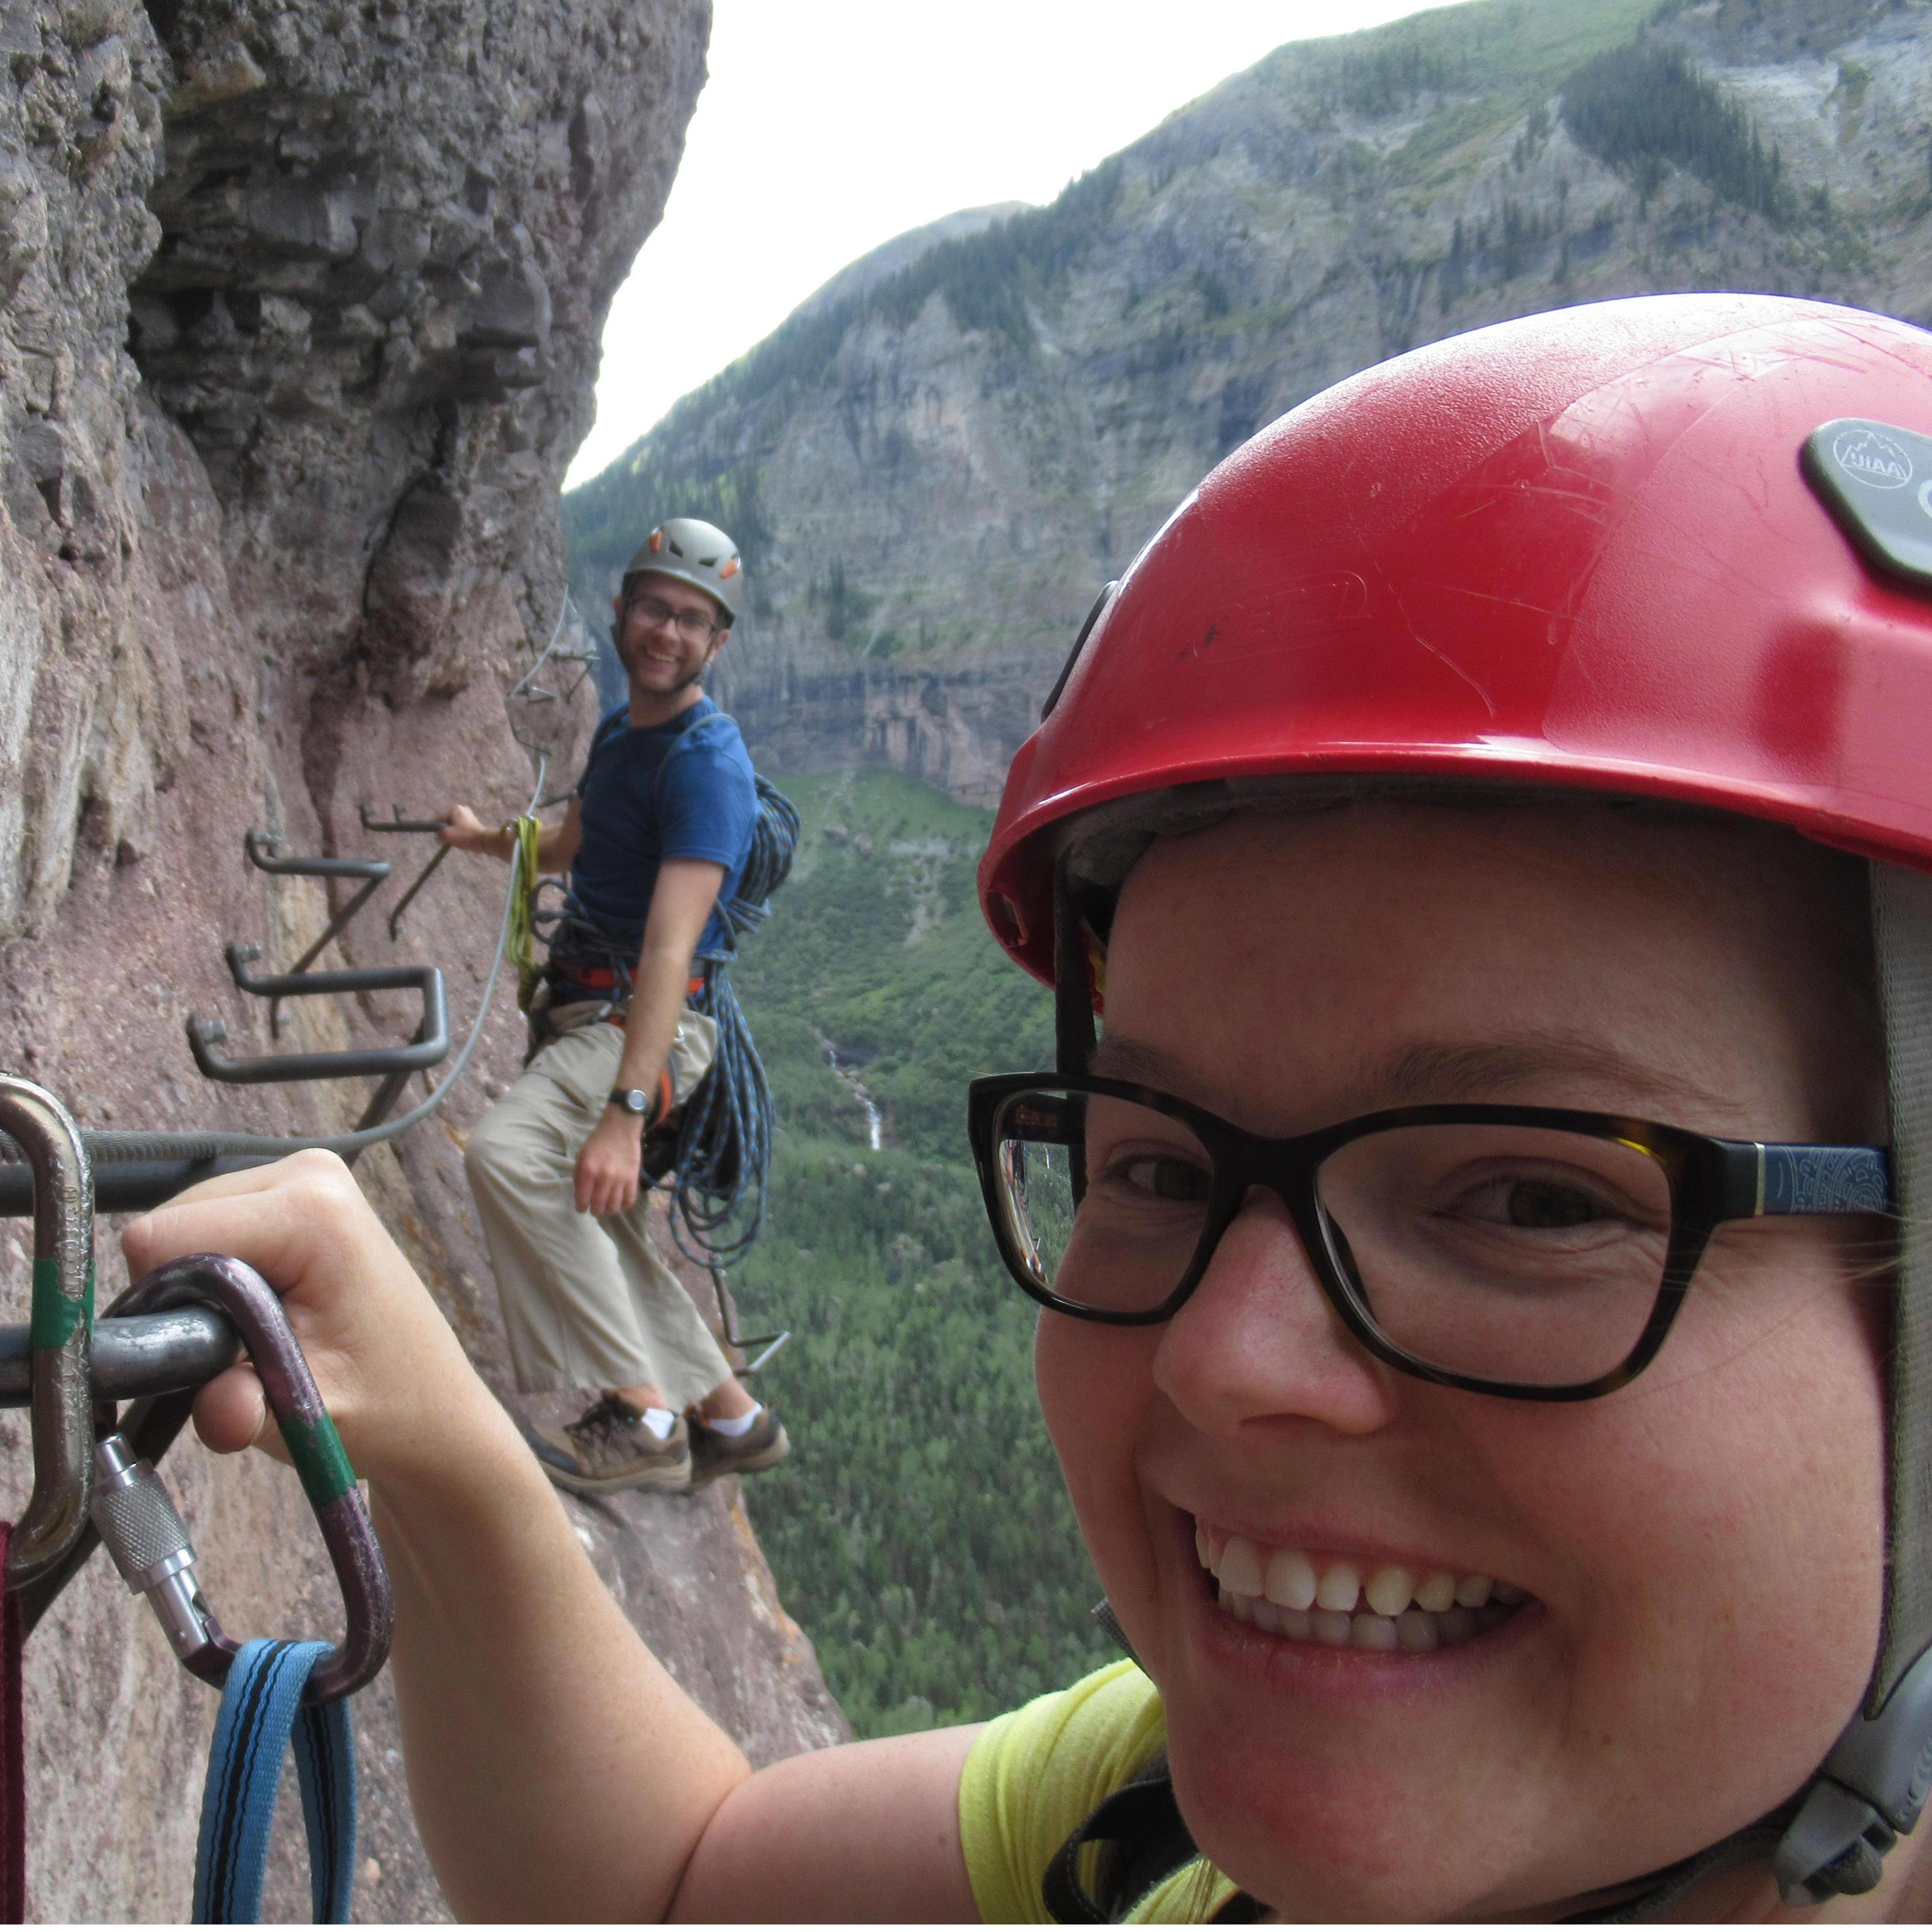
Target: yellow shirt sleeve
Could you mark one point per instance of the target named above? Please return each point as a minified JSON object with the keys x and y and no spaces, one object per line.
{"x":1033,"y":1776}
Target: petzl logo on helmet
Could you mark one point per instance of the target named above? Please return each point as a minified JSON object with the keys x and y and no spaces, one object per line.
{"x":1868,"y":457}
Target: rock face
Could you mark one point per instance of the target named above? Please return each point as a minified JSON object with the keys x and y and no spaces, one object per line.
{"x":298,"y":314}
{"x":932,"y":476}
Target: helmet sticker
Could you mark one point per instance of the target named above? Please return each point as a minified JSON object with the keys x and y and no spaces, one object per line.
{"x":1876,"y":480}
{"x":657,"y":541}
{"x":729,"y":568}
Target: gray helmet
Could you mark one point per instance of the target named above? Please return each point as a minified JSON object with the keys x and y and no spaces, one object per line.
{"x":695,"y":553}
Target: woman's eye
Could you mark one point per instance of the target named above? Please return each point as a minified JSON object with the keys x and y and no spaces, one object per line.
{"x":1513,"y":1201}
{"x":1160,"y":1177}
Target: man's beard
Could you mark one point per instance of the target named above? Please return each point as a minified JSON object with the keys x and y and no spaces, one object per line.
{"x":624,"y":660}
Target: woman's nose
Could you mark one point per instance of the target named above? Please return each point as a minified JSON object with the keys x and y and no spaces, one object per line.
{"x":1258,"y":1341}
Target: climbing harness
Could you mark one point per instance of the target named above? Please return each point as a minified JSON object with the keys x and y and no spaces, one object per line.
{"x":95,"y":1481}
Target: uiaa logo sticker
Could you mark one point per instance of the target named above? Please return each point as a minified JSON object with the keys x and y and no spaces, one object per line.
{"x":1870,"y":458}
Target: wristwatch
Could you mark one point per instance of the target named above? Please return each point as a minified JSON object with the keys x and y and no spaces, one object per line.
{"x":632,"y":1100}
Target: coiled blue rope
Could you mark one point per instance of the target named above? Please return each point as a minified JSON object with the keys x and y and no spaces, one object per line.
{"x":724,"y":1149}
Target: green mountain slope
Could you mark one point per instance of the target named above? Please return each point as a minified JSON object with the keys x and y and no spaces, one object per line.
{"x":920,"y":1532}
{"x":931,"y":476}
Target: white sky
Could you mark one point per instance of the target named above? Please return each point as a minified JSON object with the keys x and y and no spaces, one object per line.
{"x":827,"y":128}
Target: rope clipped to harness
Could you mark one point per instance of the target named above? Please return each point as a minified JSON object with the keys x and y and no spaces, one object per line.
{"x":261,"y":1707}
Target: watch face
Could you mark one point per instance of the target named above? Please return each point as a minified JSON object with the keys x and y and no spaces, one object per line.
{"x":632,"y":1100}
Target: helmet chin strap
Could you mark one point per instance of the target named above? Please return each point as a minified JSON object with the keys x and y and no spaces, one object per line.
{"x":1873,"y":1784}
{"x":1832,"y":1838}
{"x":1074,"y":1037}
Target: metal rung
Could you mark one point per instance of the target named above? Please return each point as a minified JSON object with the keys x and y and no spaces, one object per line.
{"x":397,"y":822}
{"x":431,"y":1045}
{"x":134,"y":1355}
{"x":776,"y":1342}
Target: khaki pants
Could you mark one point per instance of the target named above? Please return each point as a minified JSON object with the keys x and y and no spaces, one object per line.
{"x":589,"y":1303}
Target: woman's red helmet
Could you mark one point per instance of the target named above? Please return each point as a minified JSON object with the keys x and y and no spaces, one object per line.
{"x":1583,"y":549}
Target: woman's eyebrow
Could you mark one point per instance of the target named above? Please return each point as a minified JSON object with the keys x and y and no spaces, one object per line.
{"x":1453,"y":1070}
{"x":1118,"y":1057}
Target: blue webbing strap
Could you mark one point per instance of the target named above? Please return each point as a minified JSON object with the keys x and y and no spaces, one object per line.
{"x":261,"y":1703}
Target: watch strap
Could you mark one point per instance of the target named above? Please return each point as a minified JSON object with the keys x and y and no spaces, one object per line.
{"x":656,"y":1103}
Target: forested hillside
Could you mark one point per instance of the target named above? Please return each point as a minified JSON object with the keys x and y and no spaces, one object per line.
{"x":919,"y":1533}
{"x":930,"y":471}
{"x":932,"y":476}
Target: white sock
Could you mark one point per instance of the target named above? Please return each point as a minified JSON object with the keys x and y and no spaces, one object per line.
{"x":735,"y":1425}
{"x":658,"y":1422}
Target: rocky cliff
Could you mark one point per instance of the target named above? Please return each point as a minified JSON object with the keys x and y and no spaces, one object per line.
{"x":299,"y":307}
{"x":932,"y":476}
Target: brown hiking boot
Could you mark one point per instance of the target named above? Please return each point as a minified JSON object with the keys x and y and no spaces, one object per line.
{"x":608,"y":1448}
{"x":762,"y":1446}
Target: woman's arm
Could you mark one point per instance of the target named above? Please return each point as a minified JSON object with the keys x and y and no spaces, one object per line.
{"x":556,"y":1769}
{"x":864,"y":1832}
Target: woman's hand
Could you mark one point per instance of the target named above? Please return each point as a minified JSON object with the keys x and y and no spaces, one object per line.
{"x":608,"y":1163}
{"x":394,"y":1376}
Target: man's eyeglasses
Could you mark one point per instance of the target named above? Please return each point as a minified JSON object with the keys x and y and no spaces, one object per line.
{"x":1530,"y":1251}
{"x":694,"y":626}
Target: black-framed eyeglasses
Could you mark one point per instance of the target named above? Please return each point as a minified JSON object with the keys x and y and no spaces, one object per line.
{"x":1532,"y":1251}
{"x":694,"y":625}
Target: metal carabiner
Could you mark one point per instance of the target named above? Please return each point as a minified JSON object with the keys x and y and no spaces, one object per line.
{"x":367,"y":1600}
{"x":62,"y":1330}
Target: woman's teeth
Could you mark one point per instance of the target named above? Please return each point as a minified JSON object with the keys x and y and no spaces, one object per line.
{"x":1348,"y":1605}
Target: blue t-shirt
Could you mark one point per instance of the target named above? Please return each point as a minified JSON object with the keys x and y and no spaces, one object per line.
{"x":706,"y":807}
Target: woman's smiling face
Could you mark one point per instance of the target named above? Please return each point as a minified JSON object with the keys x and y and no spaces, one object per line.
{"x":1698,"y":1556}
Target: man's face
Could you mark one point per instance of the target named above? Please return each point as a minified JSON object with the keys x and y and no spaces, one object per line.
{"x":667,"y":633}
